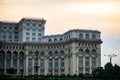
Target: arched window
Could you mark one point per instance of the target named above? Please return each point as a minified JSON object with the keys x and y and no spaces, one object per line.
{"x":94,"y":51}
{"x":80,"y":36}
{"x":15,"y":54}
{"x":87,"y":36}
{"x":36,"y":54}
{"x":61,"y":39}
{"x":2,"y":53}
{"x":8,"y":54}
{"x":30,"y":53}
{"x":55,"y":40}
{"x":42,"y":54}
{"x":49,"y":40}
{"x":33,"y":24}
{"x":87,"y":51}
{"x":50,"y":53}
{"x":93,"y":36}
{"x":62,"y":53}
{"x":56,"y":53}
{"x":80,"y":51}
{"x":21,"y":54}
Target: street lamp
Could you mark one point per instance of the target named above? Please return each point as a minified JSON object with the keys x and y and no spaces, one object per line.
{"x":110,"y":56}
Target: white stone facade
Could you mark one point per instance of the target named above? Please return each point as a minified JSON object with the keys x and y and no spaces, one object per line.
{"x":76,"y":51}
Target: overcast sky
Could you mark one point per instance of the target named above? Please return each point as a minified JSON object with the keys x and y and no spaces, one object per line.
{"x":63,"y":15}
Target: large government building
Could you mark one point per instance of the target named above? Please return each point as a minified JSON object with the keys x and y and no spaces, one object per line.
{"x":25,"y":47}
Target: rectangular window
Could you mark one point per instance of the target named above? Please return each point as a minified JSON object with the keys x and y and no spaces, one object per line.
{"x":2,"y":63}
{"x":93,"y":61}
{"x":50,"y":65}
{"x":56,"y":64}
{"x":39,"y":39}
{"x":33,"y":34}
{"x":42,"y":63}
{"x":80,"y":61}
{"x":27,"y":34}
{"x":39,"y":34}
{"x":8,"y":62}
{"x":33,"y":30}
{"x":14,"y":62}
{"x":21,"y":63}
{"x":33,"y":39}
{"x":86,"y":61}
{"x":27,"y":29}
{"x":27,"y":38}
{"x":39,"y":30}
{"x":62,"y":64}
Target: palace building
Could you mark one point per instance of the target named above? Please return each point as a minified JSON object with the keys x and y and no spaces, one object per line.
{"x":25,"y":47}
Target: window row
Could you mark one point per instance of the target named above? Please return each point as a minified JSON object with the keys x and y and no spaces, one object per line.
{"x":50,"y":53}
{"x":55,"y":40}
{"x":87,"y":51}
{"x":87,"y":61}
{"x":33,"y":24}
{"x":87,"y":36}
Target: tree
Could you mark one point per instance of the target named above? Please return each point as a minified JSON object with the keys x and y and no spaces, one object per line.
{"x":117,"y":71}
{"x":98,"y":72}
{"x":109,"y":70}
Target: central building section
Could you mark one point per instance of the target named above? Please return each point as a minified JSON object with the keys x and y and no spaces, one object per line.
{"x":74,"y":52}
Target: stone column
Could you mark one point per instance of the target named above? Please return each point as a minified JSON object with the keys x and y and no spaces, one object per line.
{"x":33,"y":65}
{"x":18,"y":68}
{"x":90,"y":61}
{"x":59,"y":71}
{"x":83,"y":64}
{"x":26,"y":63}
{"x":77,"y":63}
{"x":53,"y":66}
{"x":39,"y":66}
{"x":46,"y":65}
{"x":5,"y":65}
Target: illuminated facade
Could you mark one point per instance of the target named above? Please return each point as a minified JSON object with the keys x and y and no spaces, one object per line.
{"x":23,"y":46}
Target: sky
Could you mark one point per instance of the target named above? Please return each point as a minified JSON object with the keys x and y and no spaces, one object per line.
{"x":63,"y":15}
